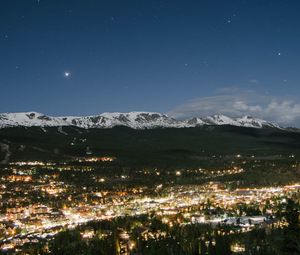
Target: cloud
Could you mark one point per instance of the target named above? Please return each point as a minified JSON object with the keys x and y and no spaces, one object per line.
{"x":237,"y":103}
{"x":286,"y":112}
{"x":253,"y":81}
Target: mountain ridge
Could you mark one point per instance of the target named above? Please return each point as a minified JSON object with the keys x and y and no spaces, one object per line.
{"x":135,"y":120}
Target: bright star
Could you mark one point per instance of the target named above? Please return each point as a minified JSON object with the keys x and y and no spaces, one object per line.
{"x":67,"y":74}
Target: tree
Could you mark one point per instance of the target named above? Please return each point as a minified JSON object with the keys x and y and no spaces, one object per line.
{"x":291,"y":237}
{"x":68,"y":243}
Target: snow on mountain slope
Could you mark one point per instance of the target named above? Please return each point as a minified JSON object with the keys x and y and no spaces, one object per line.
{"x":136,"y":120}
{"x":220,"y":120}
{"x":28,"y":119}
{"x":248,"y":121}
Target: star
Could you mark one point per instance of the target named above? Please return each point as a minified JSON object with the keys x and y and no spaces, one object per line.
{"x":67,"y":74}
{"x":279,"y":53}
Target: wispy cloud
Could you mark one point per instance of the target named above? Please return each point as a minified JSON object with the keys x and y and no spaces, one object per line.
{"x":253,"y":81}
{"x":234,"y":102}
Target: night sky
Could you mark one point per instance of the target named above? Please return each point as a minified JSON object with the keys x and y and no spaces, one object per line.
{"x":183,"y":58}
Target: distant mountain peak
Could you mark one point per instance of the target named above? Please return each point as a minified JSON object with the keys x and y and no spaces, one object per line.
{"x":136,"y":120}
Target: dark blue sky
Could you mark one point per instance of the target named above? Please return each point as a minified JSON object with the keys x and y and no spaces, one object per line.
{"x":144,"y":55}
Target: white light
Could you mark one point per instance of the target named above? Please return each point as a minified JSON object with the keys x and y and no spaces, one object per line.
{"x":67,"y":74}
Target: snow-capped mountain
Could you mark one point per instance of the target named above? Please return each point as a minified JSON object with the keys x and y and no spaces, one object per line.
{"x":246,"y":121}
{"x":136,"y":120}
